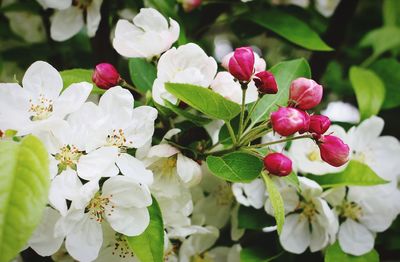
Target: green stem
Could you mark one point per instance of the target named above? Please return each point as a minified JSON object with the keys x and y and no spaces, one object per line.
{"x":253,"y":107}
{"x":243,"y":107}
{"x":279,"y":141}
{"x":231,"y":132}
{"x":254,"y":136}
{"x":131,"y":87}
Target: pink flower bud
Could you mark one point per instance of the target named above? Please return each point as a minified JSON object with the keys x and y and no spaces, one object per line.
{"x":106,"y":76}
{"x":241,"y":64}
{"x":265,"y":82}
{"x":305,"y":93}
{"x":278,"y":164}
{"x":306,"y":122}
{"x":190,"y":5}
{"x":287,"y":121}
{"x":333,"y":150}
{"x":319,"y":124}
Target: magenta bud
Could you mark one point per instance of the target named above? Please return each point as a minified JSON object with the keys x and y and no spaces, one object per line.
{"x":305,"y":93}
{"x":333,"y":150}
{"x":319,"y":124}
{"x":190,"y":5}
{"x":307,"y":120}
{"x":241,"y":64}
{"x":287,"y":121}
{"x":106,"y":76}
{"x":278,"y":164}
{"x":265,"y":82}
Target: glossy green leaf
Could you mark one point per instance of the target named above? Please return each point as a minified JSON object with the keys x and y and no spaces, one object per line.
{"x":369,"y":89}
{"x":276,"y":202}
{"x":285,"y":73}
{"x":388,"y":70}
{"x":334,"y":254}
{"x":25,"y":181}
{"x":382,"y":40}
{"x":195,"y":119}
{"x":149,"y":246}
{"x":355,"y":174}
{"x":79,"y":75}
{"x":204,"y":100}
{"x":235,"y":167}
{"x":143,"y":73}
{"x":251,"y":218}
{"x":290,"y":28}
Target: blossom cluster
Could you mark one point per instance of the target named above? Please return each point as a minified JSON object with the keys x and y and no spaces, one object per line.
{"x":108,"y":166}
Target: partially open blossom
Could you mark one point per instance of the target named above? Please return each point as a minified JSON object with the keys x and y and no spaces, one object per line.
{"x":106,"y":76}
{"x":278,"y":164}
{"x":333,"y":150}
{"x":190,"y":5}
{"x":265,"y":82}
{"x":305,"y":93}
{"x":259,"y":63}
{"x":287,"y":121}
{"x":241,"y":64}
{"x":319,"y":124}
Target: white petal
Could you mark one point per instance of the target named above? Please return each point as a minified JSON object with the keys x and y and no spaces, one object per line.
{"x":42,"y":78}
{"x":141,"y":126}
{"x":55,"y":4}
{"x":72,"y":98}
{"x":126,"y":192}
{"x":188,"y":170}
{"x":118,"y":103}
{"x":150,"y":19}
{"x":295,"y":236}
{"x":251,"y":194}
{"x":354,"y":238}
{"x":86,"y":193}
{"x":309,"y":188}
{"x":66,"y":23}
{"x":93,"y":17}
{"x":84,"y":242}
{"x":342,"y":112}
{"x":129,"y":221}
{"x":134,"y":168}
{"x":162,"y":150}
{"x":43,"y":241}
{"x":95,"y":164}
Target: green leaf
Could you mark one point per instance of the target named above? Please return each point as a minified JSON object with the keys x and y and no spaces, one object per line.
{"x":290,"y":28}
{"x":79,"y":75}
{"x":195,"y":119}
{"x":276,"y":202}
{"x":204,"y":100}
{"x":369,"y":89}
{"x":235,"y":167}
{"x":355,"y":174}
{"x":388,"y":70}
{"x":251,"y":218}
{"x":25,"y":180}
{"x":285,"y":73}
{"x":166,"y":7}
{"x":149,"y":246}
{"x":143,"y":73}
{"x":382,"y":40}
{"x":334,"y":254}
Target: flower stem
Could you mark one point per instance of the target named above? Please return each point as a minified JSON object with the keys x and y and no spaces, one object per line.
{"x":231,"y":132}
{"x":243,"y":107}
{"x":279,"y":141}
{"x":253,"y":107}
{"x":131,"y":87}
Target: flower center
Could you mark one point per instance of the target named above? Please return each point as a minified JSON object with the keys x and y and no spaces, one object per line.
{"x":117,"y":138}
{"x":350,"y":210}
{"x":68,"y":156}
{"x":121,"y":247}
{"x":165,"y":167}
{"x":223,"y":194}
{"x":202,"y":258}
{"x":82,"y":4}
{"x":97,"y":207}
{"x":42,"y":109}
{"x":314,"y":155}
{"x":308,"y":210}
